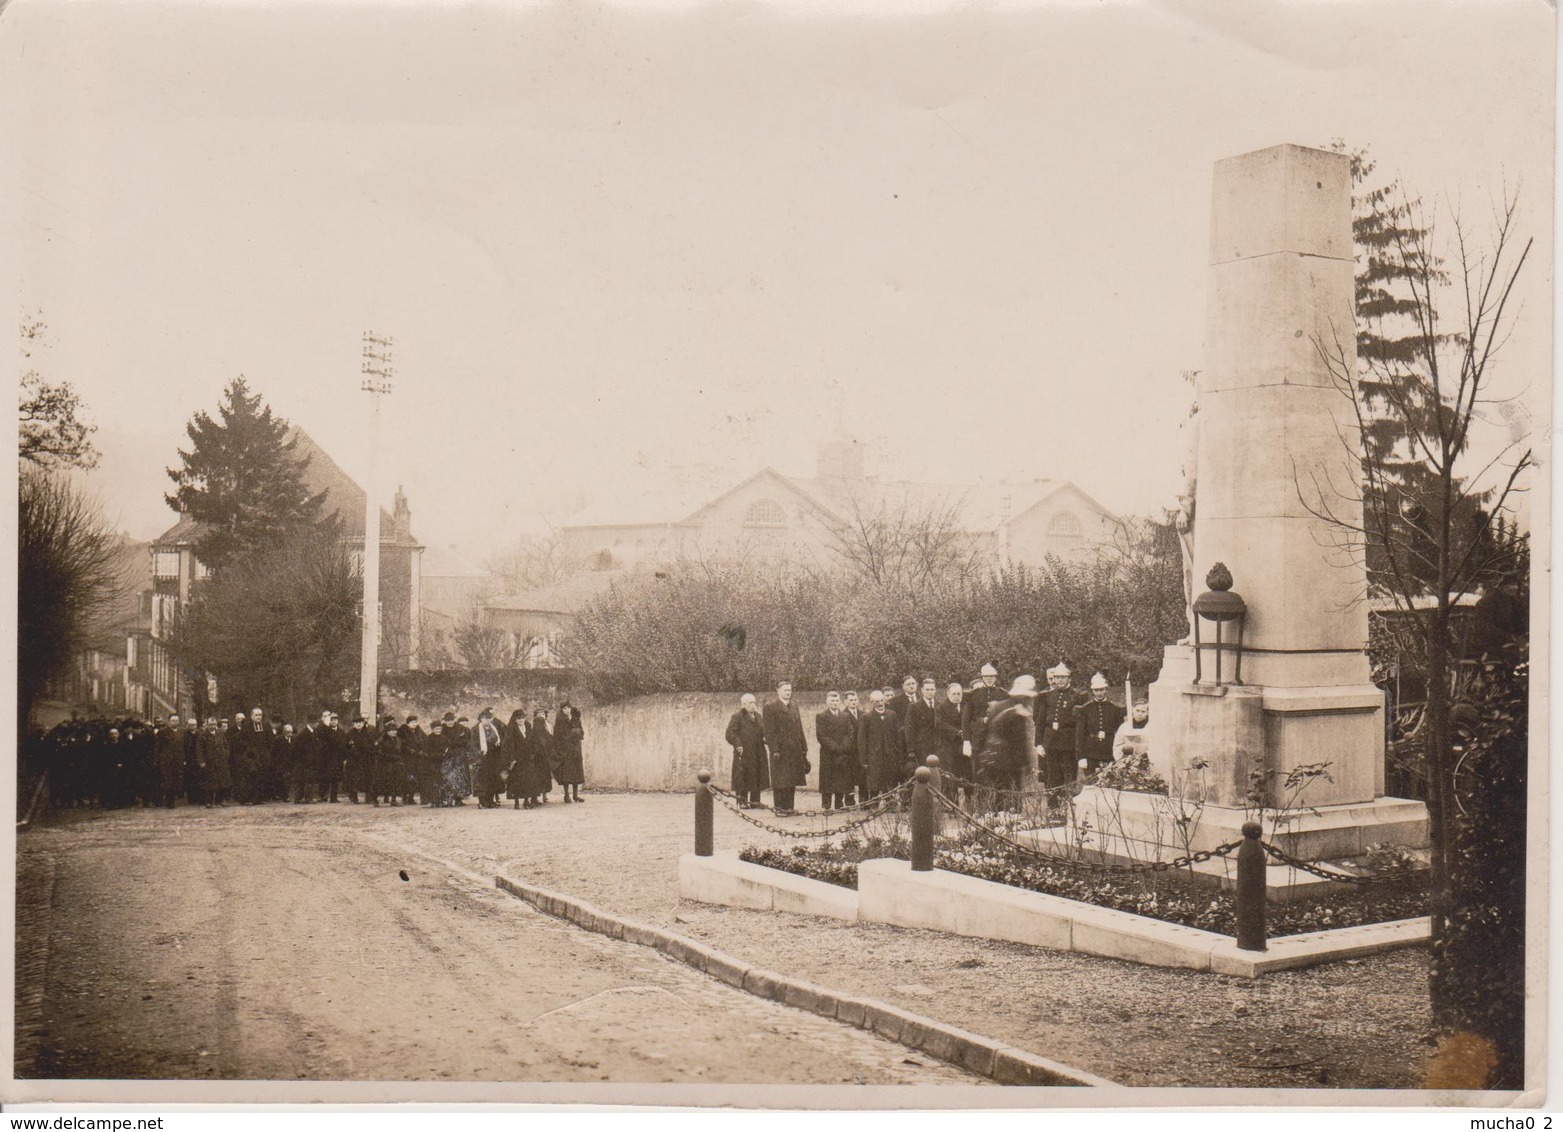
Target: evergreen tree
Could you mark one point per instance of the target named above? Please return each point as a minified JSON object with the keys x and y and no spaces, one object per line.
{"x":1399,"y":403}
{"x":241,"y":479}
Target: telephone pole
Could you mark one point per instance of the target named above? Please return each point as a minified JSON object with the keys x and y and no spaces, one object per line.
{"x":376,"y":371}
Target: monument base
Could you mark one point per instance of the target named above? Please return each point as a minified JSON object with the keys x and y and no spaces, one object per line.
{"x":1158,"y":827}
{"x":1231,"y":744}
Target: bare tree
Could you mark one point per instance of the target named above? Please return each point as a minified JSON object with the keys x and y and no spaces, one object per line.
{"x":1442,"y":542}
{"x":906,"y":545}
{"x":52,"y":430}
{"x":69,"y":574}
{"x":480,"y":644}
{"x":535,"y":561}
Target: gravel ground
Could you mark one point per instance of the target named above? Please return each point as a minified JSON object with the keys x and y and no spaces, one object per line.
{"x":248,"y":944}
{"x":1352,"y":1024}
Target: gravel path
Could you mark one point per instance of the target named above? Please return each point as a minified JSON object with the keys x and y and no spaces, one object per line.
{"x":244,"y":944}
{"x":1354,"y":1024}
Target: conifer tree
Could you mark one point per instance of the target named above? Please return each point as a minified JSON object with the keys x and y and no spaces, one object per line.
{"x":241,"y":479}
{"x":1398,"y":403}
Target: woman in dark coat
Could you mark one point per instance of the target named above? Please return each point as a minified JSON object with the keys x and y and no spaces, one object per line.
{"x":541,"y":747}
{"x":518,"y":749}
{"x":569,"y":768}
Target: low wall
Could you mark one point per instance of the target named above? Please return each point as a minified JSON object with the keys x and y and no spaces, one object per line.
{"x":657,"y":742}
{"x":661,"y":742}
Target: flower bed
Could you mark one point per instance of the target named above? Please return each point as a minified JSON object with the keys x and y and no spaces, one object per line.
{"x":1162,"y":896}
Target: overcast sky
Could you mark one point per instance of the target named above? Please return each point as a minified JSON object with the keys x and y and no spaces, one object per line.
{"x":613,"y":236}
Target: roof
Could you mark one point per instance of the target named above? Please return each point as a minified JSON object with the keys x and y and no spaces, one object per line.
{"x":448,"y":562}
{"x":978,"y":508}
{"x":646,"y":505}
{"x":343,"y":497}
{"x":567,"y":596}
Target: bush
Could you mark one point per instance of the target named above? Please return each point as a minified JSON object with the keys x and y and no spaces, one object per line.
{"x":716,"y":627}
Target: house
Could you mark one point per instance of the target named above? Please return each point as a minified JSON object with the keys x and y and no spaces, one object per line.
{"x":453,"y":587}
{"x":536,"y":619}
{"x":804,"y":518}
{"x":176,"y":569}
{"x":105,"y":677}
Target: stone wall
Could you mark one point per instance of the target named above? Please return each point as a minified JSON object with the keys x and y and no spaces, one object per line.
{"x":657,"y":742}
{"x":661,"y":742}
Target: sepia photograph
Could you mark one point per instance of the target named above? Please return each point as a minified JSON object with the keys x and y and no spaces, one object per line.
{"x":885,"y":555}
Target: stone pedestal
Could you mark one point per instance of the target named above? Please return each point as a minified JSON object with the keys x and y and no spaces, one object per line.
{"x":1278,"y":457}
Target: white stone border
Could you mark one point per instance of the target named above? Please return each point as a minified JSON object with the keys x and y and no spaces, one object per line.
{"x":889,"y":892}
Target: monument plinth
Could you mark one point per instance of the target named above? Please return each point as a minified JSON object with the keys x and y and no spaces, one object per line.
{"x":1277,"y":444}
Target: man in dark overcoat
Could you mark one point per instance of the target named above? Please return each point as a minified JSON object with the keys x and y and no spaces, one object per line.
{"x":1096,"y":723}
{"x":854,"y":710}
{"x":879,"y":745}
{"x":899,"y":705}
{"x":788,"y":748}
{"x":194,"y":789}
{"x":952,"y":758}
{"x":837,"y":738}
{"x":255,"y":736}
{"x":1056,"y":730}
{"x":169,"y":751}
{"x":329,"y":753}
{"x":751,"y":766}
{"x":414,"y":762}
{"x":360,"y":758}
{"x":306,"y":772}
{"x":922,"y":728}
{"x":285,"y":755}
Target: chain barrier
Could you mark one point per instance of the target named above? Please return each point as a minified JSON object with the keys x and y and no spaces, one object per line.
{"x":1281,"y":856}
{"x":1099,"y":866}
{"x":1055,"y":795}
{"x":727,"y":801}
{"x":855,"y":806}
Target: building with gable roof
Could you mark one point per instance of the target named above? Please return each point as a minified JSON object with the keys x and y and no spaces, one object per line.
{"x":801,"y":518}
{"x":158,"y":685}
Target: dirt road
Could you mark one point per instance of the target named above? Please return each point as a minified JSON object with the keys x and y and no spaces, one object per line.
{"x":259,"y":944}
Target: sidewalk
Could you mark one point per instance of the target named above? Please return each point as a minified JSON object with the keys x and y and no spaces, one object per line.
{"x":1355,"y":1024}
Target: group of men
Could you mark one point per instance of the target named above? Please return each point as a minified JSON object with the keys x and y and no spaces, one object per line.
{"x":250,"y":760}
{"x":870,"y":743}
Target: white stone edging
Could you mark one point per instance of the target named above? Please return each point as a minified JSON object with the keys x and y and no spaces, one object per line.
{"x":890,"y":893}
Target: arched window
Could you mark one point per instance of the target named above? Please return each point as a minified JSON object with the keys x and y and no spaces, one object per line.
{"x":1064,"y":523}
{"x":765,"y":513}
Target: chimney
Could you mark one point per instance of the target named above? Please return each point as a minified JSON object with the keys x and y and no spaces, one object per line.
{"x":840,"y":456}
{"x":402,"y":516}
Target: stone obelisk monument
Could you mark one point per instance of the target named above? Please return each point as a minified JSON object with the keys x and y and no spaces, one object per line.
{"x":1277,"y":445}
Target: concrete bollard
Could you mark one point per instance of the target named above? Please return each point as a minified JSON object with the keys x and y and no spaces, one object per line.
{"x":922,"y":822}
{"x":1251,"y":890}
{"x":704,"y":818}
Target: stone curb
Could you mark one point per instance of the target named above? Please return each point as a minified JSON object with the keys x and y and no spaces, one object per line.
{"x":985,"y":1057}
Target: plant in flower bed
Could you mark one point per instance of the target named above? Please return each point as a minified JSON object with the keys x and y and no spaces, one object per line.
{"x":1166,"y":896}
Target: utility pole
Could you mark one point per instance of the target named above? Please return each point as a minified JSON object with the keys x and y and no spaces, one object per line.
{"x":376,"y":371}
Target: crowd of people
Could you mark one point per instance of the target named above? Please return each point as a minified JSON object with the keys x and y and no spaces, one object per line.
{"x":251,"y":760}
{"x":988,"y":737}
